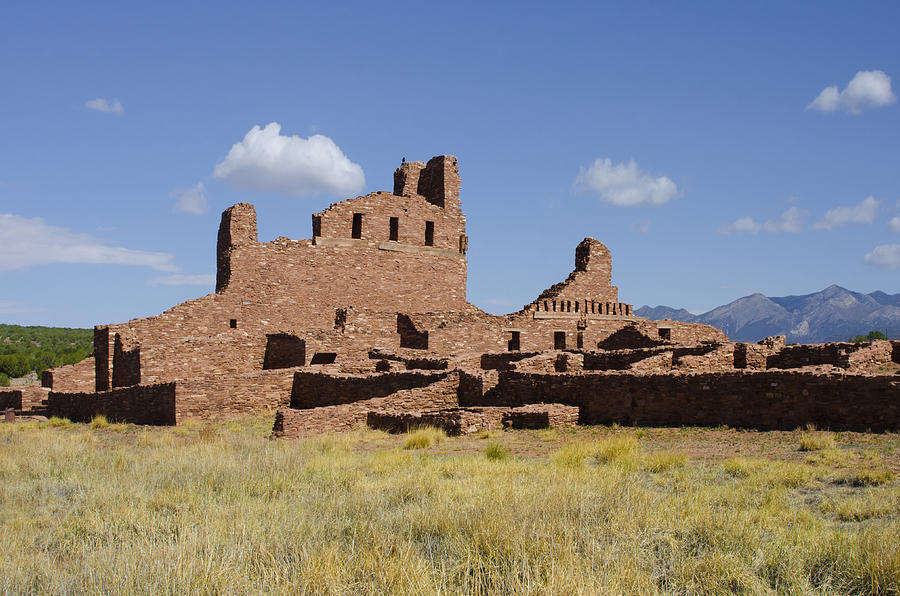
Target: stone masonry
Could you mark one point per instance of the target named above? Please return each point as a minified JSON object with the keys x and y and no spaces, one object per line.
{"x":368,"y":320}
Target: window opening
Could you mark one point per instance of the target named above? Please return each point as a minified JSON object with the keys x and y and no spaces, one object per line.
{"x":394,"y":229}
{"x":429,"y":233}
{"x":317,"y":225}
{"x":559,"y":340}
{"x":579,"y":340}
{"x":233,"y":323}
{"x":665,"y":333}
{"x":513,"y":344}
{"x":357,"y":226}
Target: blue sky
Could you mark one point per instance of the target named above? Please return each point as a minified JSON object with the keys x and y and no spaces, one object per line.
{"x":703,"y":143}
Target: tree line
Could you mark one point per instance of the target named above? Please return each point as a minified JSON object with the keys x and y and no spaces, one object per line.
{"x":27,"y":349}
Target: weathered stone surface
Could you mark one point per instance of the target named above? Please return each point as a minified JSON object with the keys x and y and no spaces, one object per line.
{"x":370,"y":315}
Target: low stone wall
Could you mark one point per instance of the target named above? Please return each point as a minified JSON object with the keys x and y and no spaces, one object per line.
{"x":357,"y":395}
{"x":10,"y":398}
{"x":455,"y":421}
{"x":764,"y":400}
{"x":223,"y":396}
{"x":138,"y":404}
{"x":315,"y":389}
{"x":72,"y":377}
{"x":541,"y":416}
{"x":871,"y":356}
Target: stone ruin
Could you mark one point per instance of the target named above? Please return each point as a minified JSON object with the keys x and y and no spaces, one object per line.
{"x":367,"y":322}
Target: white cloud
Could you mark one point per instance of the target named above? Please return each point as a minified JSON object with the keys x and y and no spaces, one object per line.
{"x":624,"y":184}
{"x":105,"y":105}
{"x":864,"y":213}
{"x":181,"y":279}
{"x":790,"y":221}
{"x":894,"y":225}
{"x":868,"y":89}
{"x":267,"y":161}
{"x":191,"y":200}
{"x":8,"y":307}
{"x":886,"y":256}
{"x":27,"y":242}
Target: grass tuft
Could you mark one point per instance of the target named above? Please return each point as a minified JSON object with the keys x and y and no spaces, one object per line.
{"x":423,"y":437}
{"x":496,"y":451}
{"x":662,"y":461}
{"x":99,"y":421}
{"x":865,"y":477}
{"x":816,"y":441}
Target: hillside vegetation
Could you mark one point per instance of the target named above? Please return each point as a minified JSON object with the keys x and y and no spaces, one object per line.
{"x":26,"y":349}
{"x":204,"y":508}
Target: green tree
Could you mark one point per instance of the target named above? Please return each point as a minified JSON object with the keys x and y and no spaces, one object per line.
{"x":872,"y":336}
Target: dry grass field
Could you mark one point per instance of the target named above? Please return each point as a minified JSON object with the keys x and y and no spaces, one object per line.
{"x":220,"y":509}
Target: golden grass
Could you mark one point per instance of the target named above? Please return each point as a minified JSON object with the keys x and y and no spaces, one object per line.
{"x":816,"y":441}
{"x":423,"y":437}
{"x":99,"y":421}
{"x":227,"y":511}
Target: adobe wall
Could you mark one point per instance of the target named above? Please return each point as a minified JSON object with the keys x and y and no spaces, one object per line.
{"x":140,"y":404}
{"x":764,"y":400}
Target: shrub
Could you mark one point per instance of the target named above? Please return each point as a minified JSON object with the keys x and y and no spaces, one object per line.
{"x":423,"y":437}
{"x":56,"y":421}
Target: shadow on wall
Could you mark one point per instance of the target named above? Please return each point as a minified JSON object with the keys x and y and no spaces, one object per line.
{"x":628,"y":337}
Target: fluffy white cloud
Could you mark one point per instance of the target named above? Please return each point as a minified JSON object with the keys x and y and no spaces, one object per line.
{"x":624,"y":184}
{"x":181,"y":279}
{"x":894,"y":225}
{"x":105,"y":105}
{"x":789,"y":221}
{"x":864,"y":213}
{"x":868,"y":89}
{"x":886,"y":256}
{"x":265,"y":160}
{"x":26,"y":242}
{"x":191,"y":200}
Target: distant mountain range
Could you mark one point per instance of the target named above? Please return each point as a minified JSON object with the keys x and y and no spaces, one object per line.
{"x":834,"y":314}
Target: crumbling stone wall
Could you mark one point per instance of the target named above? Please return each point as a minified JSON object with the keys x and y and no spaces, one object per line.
{"x":764,"y":400}
{"x":315,"y":389}
{"x":74,"y":377}
{"x":140,"y":404}
{"x":219,"y":396}
{"x":10,"y":398}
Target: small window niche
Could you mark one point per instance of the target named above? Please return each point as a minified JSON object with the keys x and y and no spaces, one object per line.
{"x":356,"y":231}
{"x":317,"y":225}
{"x":665,"y":333}
{"x":394,"y":230}
{"x":233,"y":323}
{"x":514,"y":343}
{"x":429,"y":233}
{"x":559,"y":340}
